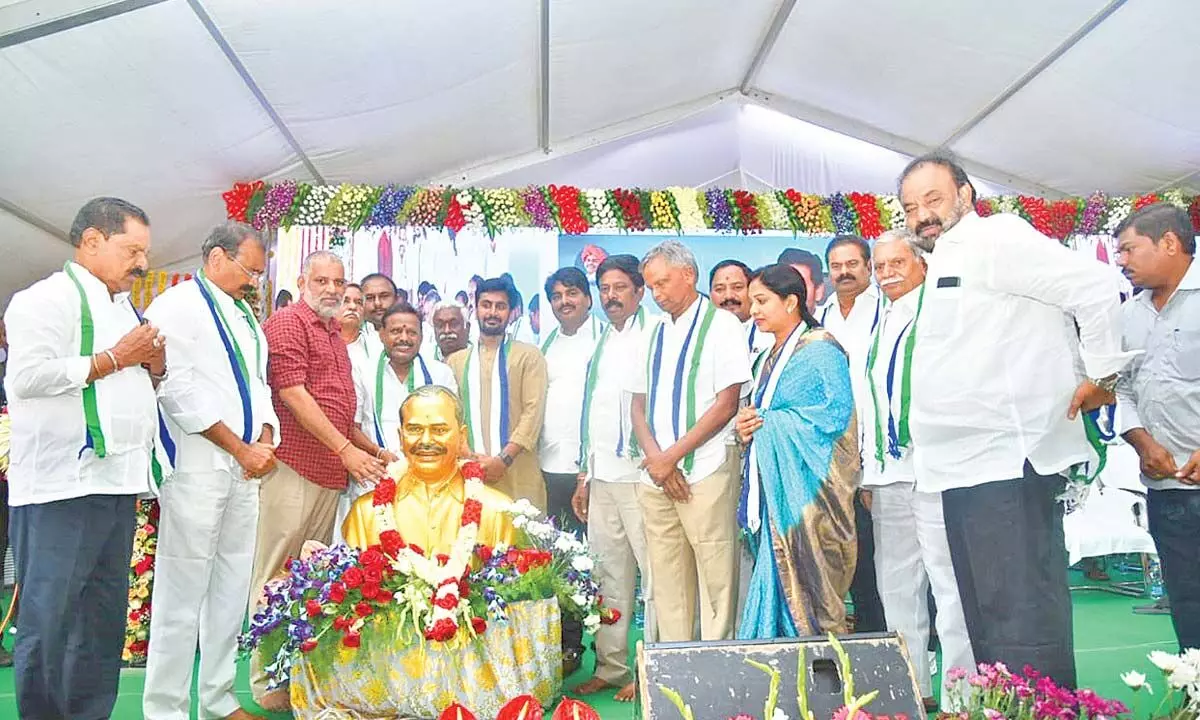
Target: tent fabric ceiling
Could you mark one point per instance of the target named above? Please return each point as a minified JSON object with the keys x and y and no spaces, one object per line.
{"x":147,"y":105}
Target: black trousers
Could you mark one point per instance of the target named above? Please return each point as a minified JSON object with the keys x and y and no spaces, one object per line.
{"x":73,"y":568}
{"x":560,"y":488}
{"x":864,"y":592}
{"x":1174,"y":517}
{"x":1010,"y":560}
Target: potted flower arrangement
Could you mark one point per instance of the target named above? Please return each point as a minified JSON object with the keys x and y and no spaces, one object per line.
{"x":480,"y":623}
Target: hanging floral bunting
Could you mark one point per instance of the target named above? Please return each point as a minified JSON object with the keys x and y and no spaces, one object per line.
{"x":573,"y":210}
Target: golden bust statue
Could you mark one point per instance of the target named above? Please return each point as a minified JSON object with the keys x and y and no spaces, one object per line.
{"x":430,"y":492}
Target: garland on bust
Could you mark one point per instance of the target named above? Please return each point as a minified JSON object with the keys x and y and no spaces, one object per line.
{"x":572,"y":210}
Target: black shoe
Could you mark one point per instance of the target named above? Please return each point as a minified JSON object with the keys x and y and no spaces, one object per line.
{"x":571,"y":661}
{"x":1161,"y":606}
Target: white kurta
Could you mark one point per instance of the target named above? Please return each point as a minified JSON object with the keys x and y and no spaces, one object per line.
{"x":567,"y":359}
{"x":209,"y":509}
{"x":45,"y":379}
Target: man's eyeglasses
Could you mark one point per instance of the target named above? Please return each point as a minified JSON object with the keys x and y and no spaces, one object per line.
{"x":255,"y":276}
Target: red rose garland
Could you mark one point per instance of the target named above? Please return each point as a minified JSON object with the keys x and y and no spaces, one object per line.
{"x":631,"y":210}
{"x":565,"y":199}
{"x":454,"y":215}
{"x":1038,"y":214}
{"x":237,"y":200}
{"x":1063,"y":215}
{"x":870,"y":221}
{"x":1194,"y":213}
{"x":1144,"y":200}
{"x":983,"y":207}
{"x":747,"y":212}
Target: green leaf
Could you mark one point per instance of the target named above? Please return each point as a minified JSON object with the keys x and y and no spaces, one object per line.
{"x":684,"y":709}
{"x":772,"y":691}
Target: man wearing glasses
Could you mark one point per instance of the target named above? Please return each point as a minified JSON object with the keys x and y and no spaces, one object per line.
{"x":313,"y":393}
{"x":217,"y":414}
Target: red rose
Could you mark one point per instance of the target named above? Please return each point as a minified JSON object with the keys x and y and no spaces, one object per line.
{"x":308,"y":645}
{"x":313,"y":608}
{"x":362,"y":609}
{"x":337,"y":593}
{"x":473,"y":471}
{"x":442,"y":630}
{"x":391,"y":542}
{"x":138,"y":647}
{"x":443,"y":558}
{"x":479,"y":625}
{"x":464,"y":588}
{"x":352,"y":640}
{"x":370,"y":590}
{"x":384,"y":597}
{"x":372,"y":558}
{"x":385,"y":492}
{"x":511,"y":556}
{"x":373,"y":576}
{"x":417,"y":549}
{"x":144,"y":565}
{"x":353,"y":577}
{"x":484,"y":552}
{"x":446,"y":602}
{"x":342,"y":623}
{"x":472,"y":512}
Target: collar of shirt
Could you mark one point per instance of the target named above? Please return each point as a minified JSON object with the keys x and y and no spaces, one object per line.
{"x":95,"y":287}
{"x":959,"y":233}
{"x":685,"y":318}
{"x":1190,"y":281}
{"x":311,"y":316}
{"x":408,"y":485}
{"x":865,"y":302}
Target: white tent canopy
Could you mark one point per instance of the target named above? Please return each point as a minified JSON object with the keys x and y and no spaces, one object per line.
{"x":168,"y":102}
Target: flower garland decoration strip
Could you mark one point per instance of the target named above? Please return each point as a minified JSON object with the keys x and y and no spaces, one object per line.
{"x":141,"y":581}
{"x":569,"y":209}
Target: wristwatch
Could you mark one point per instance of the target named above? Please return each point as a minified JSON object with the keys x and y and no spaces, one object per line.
{"x":1107,"y":384}
{"x":506,"y":459}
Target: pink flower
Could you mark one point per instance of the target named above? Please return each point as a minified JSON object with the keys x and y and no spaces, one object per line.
{"x":991,"y":714}
{"x":843,"y":714}
{"x":956,"y":674}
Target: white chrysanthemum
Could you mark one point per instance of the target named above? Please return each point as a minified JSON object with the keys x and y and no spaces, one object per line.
{"x":1164,"y":661}
{"x":1134,"y":679}
{"x":582,"y":563}
{"x":1183,"y":675}
{"x":1118,"y":209}
{"x":895,"y":210}
{"x":777,"y":217}
{"x":592,"y":621}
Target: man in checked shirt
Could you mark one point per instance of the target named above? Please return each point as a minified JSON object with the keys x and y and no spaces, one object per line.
{"x":313,"y":394}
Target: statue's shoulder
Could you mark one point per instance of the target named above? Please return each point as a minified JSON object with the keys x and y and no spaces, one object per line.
{"x":494,"y":499}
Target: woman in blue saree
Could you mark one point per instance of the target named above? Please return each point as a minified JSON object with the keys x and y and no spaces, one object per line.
{"x":802,"y":468}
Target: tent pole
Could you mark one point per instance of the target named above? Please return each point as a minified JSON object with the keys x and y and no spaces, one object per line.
{"x":25,"y":21}
{"x":30,"y":219}
{"x":782,"y":13}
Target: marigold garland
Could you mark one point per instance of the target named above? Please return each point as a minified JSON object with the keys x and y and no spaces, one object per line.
{"x":572,"y":210}
{"x":141,"y":581}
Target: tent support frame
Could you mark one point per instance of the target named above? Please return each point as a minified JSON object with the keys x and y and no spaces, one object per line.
{"x":29,"y":218}
{"x":26,"y":21}
{"x":782,"y":13}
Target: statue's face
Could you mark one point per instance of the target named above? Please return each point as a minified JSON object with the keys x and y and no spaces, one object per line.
{"x":431,"y":437}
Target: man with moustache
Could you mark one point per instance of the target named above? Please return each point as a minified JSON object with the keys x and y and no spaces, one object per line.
{"x":503,"y":387}
{"x":451,"y":328}
{"x":909,"y":531}
{"x":729,"y":288}
{"x":852,"y":315}
{"x":567,"y":350}
{"x":354,"y":332}
{"x":80,"y":383}
{"x":995,"y":417}
{"x":313,"y":394}
{"x":1160,"y":395}
{"x":810,"y":268}
{"x":399,"y":369}
{"x":217,"y":412}
{"x":685,"y":394}
{"x":606,"y":494}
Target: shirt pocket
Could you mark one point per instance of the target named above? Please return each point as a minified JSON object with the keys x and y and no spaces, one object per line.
{"x":1186,"y":354}
{"x":941,"y":309}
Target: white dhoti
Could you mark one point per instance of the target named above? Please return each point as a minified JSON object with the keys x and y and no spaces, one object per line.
{"x":201,"y":588}
{"x":617,"y":537}
{"x":911,"y":556}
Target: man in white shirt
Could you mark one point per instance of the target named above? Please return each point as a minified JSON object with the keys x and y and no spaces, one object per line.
{"x":393,"y":374}
{"x":361,"y":338}
{"x":1160,"y":395}
{"x":852,"y":315}
{"x":910,"y":535}
{"x":567,"y":349}
{"x":995,"y":406}
{"x":80,"y":386}
{"x":379,"y":294}
{"x":729,"y":288}
{"x":219,"y":419}
{"x":606,"y":497}
{"x":683,"y":405}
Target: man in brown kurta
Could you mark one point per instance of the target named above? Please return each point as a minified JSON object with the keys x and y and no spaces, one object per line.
{"x":510,"y":462}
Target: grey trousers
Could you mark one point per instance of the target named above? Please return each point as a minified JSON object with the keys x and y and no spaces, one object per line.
{"x":1010,"y":561}
{"x":72,"y":560}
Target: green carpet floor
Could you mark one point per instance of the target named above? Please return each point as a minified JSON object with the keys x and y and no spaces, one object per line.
{"x":1109,"y":639}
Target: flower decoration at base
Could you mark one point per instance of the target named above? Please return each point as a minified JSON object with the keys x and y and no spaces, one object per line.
{"x":141,"y":582}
